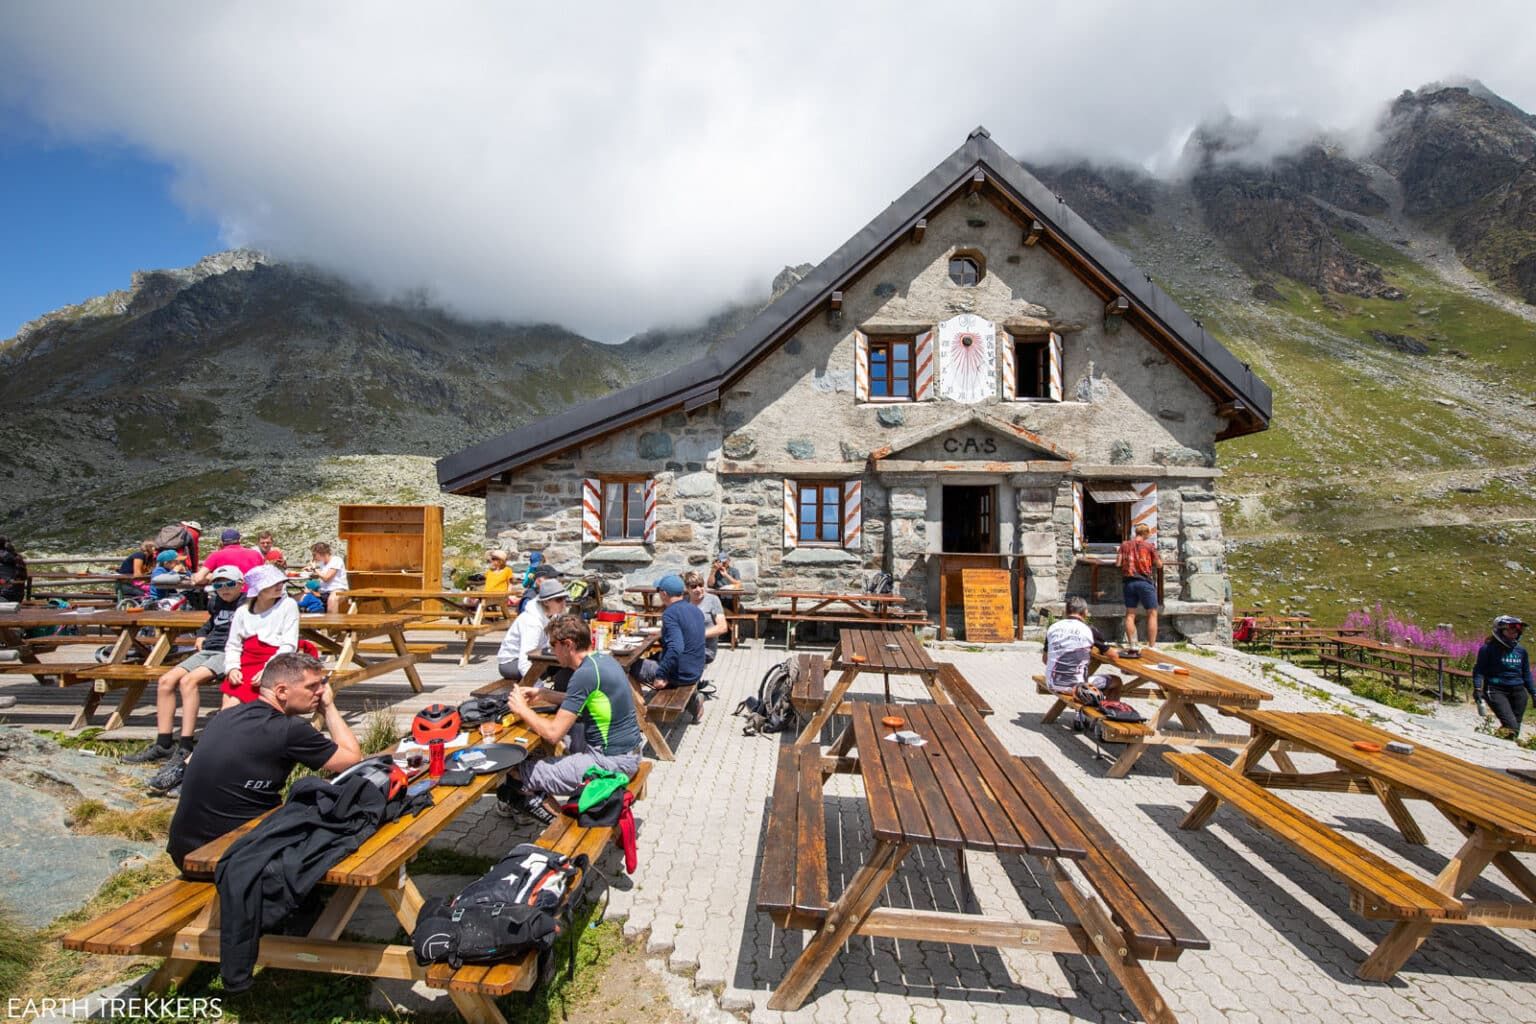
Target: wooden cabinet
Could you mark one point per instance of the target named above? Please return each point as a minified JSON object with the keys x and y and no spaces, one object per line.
{"x":393,"y":545}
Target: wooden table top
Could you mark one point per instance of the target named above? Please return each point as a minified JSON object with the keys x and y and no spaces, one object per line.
{"x":816,"y":595}
{"x":426,"y":595}
{"x":379,"y":859}
{"x":32,"y":618}
{"x":358,"y":622}
{"x":884,"y":651}
{"x":1365,"y":643}
{"x":1201,"y":684}
{"x":960,"y":789}
{"x":1489,"y":798}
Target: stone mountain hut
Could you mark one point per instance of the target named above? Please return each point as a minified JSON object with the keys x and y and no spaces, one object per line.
{"x":976,"y":378}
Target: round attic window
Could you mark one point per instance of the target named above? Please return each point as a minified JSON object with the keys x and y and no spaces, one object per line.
{"x":965,"y":269}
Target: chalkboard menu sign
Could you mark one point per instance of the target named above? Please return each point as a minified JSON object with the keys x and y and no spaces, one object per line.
{"x":988,"y":605}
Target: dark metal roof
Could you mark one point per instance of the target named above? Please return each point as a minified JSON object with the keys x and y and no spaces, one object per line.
{"x":702,"y":382}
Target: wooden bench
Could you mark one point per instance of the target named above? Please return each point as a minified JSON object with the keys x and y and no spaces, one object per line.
{"x":792,"y":619}
{"x":960,"y":688}
{"x":379,"y":647}
{"x":665,"y":705}
{"x":47,"y":668}
{"x":145,"y":925}
{"x":1378,"y":888}
{"x":792,"y":889}
{"x":810,"y":689}
{"x":1156,"y":927}
{"x":565,"y":837}
{"x":1365,"y":666}
{"x":1109,"y":731}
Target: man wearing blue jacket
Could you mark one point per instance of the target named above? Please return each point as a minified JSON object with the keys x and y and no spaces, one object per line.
{"x":1502,"y":675}
{"x":682,"y":643}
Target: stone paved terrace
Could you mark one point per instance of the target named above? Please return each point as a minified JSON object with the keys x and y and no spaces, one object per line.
{"x":1284,"y":945}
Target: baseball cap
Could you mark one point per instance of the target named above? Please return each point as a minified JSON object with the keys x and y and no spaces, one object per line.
{"x":226,"y":572}
{"x":671,"y":585}
{"x":230,"y":536}
{"x":274,"y":554}
{"x":311,"y":584}
{"x":723,"y":557}
{"x":167,"y":556}
{"x":552,"y":589}
{"x":262,"y":577}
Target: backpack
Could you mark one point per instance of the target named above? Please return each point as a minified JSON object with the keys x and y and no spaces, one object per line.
{"x":770,"y":710}
{"x":1120,"y":711}
{"x":522,"y":904}
{"x":174,"y":537}
{"x":881,"y":583}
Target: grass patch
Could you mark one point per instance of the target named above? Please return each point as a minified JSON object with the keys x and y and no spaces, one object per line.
{"x":1381,"y":693}
{"x":142,"y":824}
{"x":86,"y":739}
{"x":378,"y":732}
{"x":20,"y":950}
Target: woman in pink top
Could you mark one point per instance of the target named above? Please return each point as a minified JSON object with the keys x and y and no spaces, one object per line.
{"x":265,"y":626}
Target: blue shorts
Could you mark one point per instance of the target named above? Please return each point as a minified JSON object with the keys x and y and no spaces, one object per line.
{"x":1140,"y":594}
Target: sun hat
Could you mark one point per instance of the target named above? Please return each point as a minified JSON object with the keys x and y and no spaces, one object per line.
{"x":228,"y":573}
{"x":230,"y":536}
{"x":671,"y":584}
{"x":552,"y":590}
{"x":192,"y":524}
{"x":264,"y":576}
{"x":497,"y":553}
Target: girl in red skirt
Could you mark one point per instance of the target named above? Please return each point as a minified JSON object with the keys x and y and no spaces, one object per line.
{"x":265,"y":626}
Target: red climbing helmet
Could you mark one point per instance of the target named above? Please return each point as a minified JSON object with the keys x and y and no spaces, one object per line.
{"x":435,"y":723}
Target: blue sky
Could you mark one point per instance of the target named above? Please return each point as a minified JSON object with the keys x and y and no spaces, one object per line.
{"x":76,"y":222}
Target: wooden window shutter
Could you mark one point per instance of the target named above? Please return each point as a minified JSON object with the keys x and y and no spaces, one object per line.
{"x":853,"y":514}
{"x":791,"y":514}
{"x":1010,"y":366}
{"x":592,"y":510}
{"x":1077,"y":515}
{"x":1055,"y":366}
{"x":1144,"y":508}
{"x":923,"y":388}
{"x":650,"y":510}
{"x":860,"y":368}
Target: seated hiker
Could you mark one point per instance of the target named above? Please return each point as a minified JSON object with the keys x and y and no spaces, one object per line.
{"x":270,"y":551}
{"x":331,"y":571}
{"x":596,"y":718}
{"x":231,"y":552}
{"x":138,"y":563}
{"x":682,"y":657}
{"x":498,"y":579}
{"x":265,"y":626}
{"x":534,"y":576}
{"x":312,"y":603}
{"x":249,"y":751}
{"x":170,"y":569}
{"x":716,"y":624}
{"x":206,"y":664}
{"x":1066,"y":653}
{"x":528,"y":634}
{"x":13,"y":572}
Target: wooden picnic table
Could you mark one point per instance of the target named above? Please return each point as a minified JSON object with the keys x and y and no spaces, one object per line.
{"x":1494,"y":811}
{"x":871,"y":650}
{"x":468,"y":621}
{"x":854,"y":609}
{"x":1182,"y":693}
{"x":1374,"y":656}
{"x":151,"y":633}
{"x":340,"y":635}
{"x":964,"y":792}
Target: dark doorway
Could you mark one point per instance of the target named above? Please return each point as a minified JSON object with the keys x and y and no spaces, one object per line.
{"x":970,"y":519}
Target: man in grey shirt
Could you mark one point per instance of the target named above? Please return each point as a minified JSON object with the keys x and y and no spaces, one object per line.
{"x":714,"y":614}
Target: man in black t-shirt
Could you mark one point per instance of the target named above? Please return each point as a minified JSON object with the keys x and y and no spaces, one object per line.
{"x":249,"y":750}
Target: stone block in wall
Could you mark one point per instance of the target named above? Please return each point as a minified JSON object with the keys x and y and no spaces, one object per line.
{"x":1196,"y":494}
{"x":907,"y":504}
{"x":1042,"y":590}
{"x":568,"y":533}
{"x":502,"y":509}
{"x":1178,"y":455}
{"x":699,"y":512}
{"x":674,"y":533}
{"x":1037,"y":545}
{"x":619,"y":554}
{"x":739,"y":447}
{"x":1196,"y":518}
{"x":1206,"y":587}
{"x":820,"y":556}
{"x":694,"y":485}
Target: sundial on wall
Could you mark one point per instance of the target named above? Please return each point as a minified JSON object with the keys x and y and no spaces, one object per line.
{"x":967,"y":358}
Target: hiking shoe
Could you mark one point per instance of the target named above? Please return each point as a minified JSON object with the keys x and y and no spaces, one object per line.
{"x":506,"y":808}
{"x":169,"y":777}
{"x":153,"y":752}
{"x":695,"y":707}
{"x":532,"y":809}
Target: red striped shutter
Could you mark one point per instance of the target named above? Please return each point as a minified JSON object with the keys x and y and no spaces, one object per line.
{"x":1010,"y":366}
{"x":650,"y":510}
{"x":1144,"y":508}
{"x":1077,"y":516}
{"x":924,"y":388}
{"x":592,"y":510}
{"x":1054,"y":355}
{"x":791,"y":514}
{"x":853,"y":514}
{"x":860,"y":366}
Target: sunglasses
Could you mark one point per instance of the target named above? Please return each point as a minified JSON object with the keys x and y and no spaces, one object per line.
{"x":227,"y":584}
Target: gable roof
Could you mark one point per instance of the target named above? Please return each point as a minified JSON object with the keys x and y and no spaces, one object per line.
{"x":971,"y":417}
{"x":978,"y":163}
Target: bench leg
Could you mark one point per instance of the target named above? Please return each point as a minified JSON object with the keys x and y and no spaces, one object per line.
{"x":1126,"y":761}
{"x":1110,"y":943}
{"x":843,"y":920}
{"x":125,"y":706}
{"x":1252,"y":753}
{"x":1054,"y":712}
{"x":174,"y":971}
{"x":397,"y":641}
{"x":405,"y":901}
{"x":1407,"y":936}
{"x":812,"y":731}
{"x":476,"y":1008}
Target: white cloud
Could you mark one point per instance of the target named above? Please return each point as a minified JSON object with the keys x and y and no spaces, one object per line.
{"x":617,"y":166}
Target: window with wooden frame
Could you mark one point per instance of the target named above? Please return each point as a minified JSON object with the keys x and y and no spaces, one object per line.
{"x":819,"y":517}
{"x":619,"y":510}
{"x":1032,"y":369}
{"x":890,"y":368}
{"x":967,"y":267}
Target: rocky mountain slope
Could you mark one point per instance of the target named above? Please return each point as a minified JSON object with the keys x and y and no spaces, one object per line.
{"x":1385,"y":295}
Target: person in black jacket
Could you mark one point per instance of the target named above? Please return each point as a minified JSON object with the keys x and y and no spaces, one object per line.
{"x":249,"y":750}
{"x":204,"y":665}
{"x":1502,"y":675}
{"x":13,"y":572}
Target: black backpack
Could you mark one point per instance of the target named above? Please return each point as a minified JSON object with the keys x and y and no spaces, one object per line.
{"x":522,"y":904}
{"x":881,"y":583}
{"x":770,"y":711}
